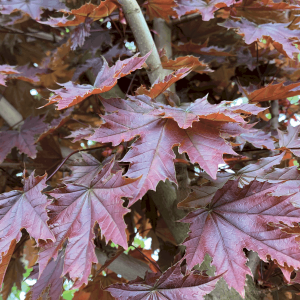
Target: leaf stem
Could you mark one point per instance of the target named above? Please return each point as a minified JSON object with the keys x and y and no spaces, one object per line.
{"x":72,"y":153}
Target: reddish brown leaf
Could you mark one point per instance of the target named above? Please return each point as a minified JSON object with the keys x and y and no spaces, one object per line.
{"x":159,"y":87}
{"x":87,"y":10}
{"x":274,"y":92}
{"x":31,"y":205}
{"x":72,"y":94}
{"x":76,"y":211}
{"x":190,"y":61}
{"x":236,"y":219}
{"x":172,"y":284}
{"x":22,"y":139}
{"x":278,"y":32}
{"x":5,"y":260}
{"x":160,"y":9}
{"x":31,"y":252}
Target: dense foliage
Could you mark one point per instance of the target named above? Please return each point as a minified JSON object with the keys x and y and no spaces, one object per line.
{"x":101,"y":150}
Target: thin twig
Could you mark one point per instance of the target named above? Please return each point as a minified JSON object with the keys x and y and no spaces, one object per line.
{"x":151,"y":261}
{"x":133,"y":77}
{"x":74,"y":152}
{"x":184,"y":19}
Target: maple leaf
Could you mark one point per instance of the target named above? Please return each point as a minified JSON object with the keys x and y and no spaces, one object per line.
{"x":23,"y":139}
{"x":152,"y":155}
{"x":31,"y":205}
{"x":172,"y":284}
{"x":76,"y":211}
{"x":160,"y":9}
{"x":85,"y":169}
{"x":290,"y":140}
{"x":257,"y":138}
{"x":288,"y":179}
{"x":31,"y":7}
{"x":259,"y":171}
{"x":56,"y":123}
{"x":159,"y":86}
{"x":27,"y":73}
{"x":201,"y":109}
{"x":49,"y":285}
{"x":236,"y":219}
{"x":278,"y":32}
{"x":5,"y":70}
{"x":274,"y":92}
{"x":72,"y":94}
{"x":205,"y":8}
{"x":87,"y":10}
{"x":80,"y":33}
{"x":190,"y":61}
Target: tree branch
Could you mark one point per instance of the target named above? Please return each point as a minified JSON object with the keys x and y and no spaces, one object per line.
{"x":143,"y":38}
{"x":9,"y":113}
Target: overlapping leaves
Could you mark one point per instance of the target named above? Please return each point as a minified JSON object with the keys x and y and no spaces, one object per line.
{"x":78,"y":207}
{"x":172,"y":284}
{"x":239,"y":218}
{"x":71,"y":94}
{"x":196,"y":128}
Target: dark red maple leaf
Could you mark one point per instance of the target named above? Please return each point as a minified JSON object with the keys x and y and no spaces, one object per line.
{"x":50,"y":282}
{"x":72,"y":94}
{"x":172,"y":284}
{"x":85,"y":169}
{"x":56,"y":123}
{"x":205,"y":8}
{"x":236,"y":219}
{"x":257,"y":138}
{"x":259,"y":171}
{"x":80,"y":33}
{"x":24,"y":209}
{"x":278,"y":32}
{"x":78,"y":207}
{"x":202,"y":125}
{"x":23,"y":139}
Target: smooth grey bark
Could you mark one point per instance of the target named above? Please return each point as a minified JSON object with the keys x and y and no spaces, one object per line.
{"x":143,"y":38}
{"x":9,"y":113}
{"x":162,"y":40}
